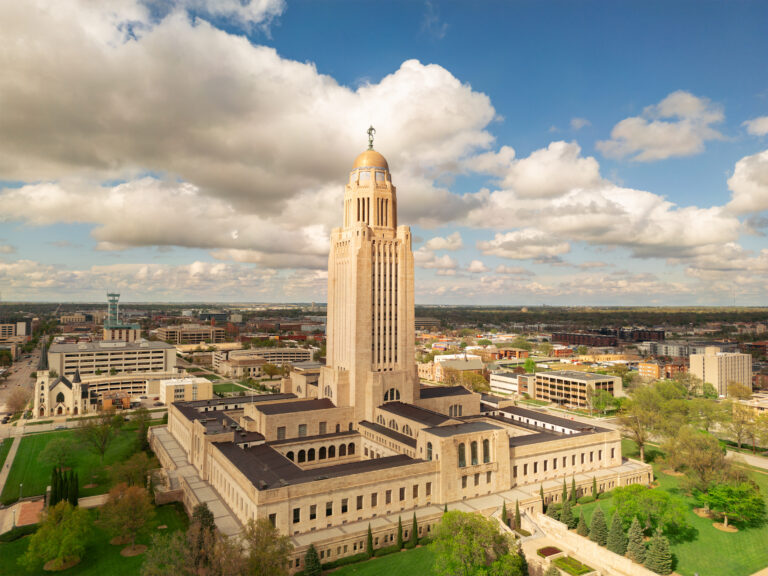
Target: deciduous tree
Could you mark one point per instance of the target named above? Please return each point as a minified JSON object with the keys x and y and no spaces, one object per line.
{"x":465,"y":543}
{"x":98,"y":432}
{"x":640,"y":416}
{"x":127,"y":512}
{"x":17,"y":399}
{"x":132,"y":471}
{"x":61,"y":538}
{"x":268,"y":549}
{"x":58,"y":452}
{"x":741,"y":501}
{"x":652,"y":507}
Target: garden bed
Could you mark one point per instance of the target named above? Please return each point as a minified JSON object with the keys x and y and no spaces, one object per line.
{"x":547,"y":551}
{"x":572,"y":566}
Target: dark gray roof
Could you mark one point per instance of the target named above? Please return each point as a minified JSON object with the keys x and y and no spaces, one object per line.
{"x":343,"y":434}
{"x":533,"y":439}
{"x":548,"y":418}
{"x":441,"y":391}
{"x":296,"y":406}
{"x":463,"y":428}
{"x":239,"y":400}
{"x":76,"y":379}
{"x":266,"y":468}
{"x":63,"y":380}
{"x":411,"y":412}
{"x":383,"y":430}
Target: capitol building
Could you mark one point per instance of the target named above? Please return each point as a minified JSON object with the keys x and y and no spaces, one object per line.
{"x":360,"y":441}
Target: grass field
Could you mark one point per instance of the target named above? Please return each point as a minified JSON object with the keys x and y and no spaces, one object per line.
{"x":211,"y":377}
{"x":227,"y":387}
{"x":35,"y":476}
{"x":711,"y":551}
{"x":101,"y":557}
{"x":416,"y":562}
{"x":5,"y":447}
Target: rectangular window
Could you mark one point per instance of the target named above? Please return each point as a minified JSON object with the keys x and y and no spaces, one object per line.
{"x":488,"y":477}
{"x":514,"y":471}
{"x":554,"y":463}
{"x":599,"y":455}
{"x":429,"y":489}
{"x":329,"y":508}
{"x":374,"y":499}
{"x":613,"y":453}
{"x":388,"y":497}
{"x":296,"y":515}
{"x":525,"y":469}
{"x":591,"y":456}
{"x":477,"y":479}
{"x":463,"y":481}
{"x":313,"y":512}
{"x":565,"y":461}
{"x":573,"y":460}
{"x":402,"y":494}
{"x":415,"y":490}
{"x":359,"y":502}
{"x":321,"y":428}
{"x":582,"y":457}
{"x":273,"y":519}
{"x":344,"y":505}
{"x":281,"y":432}
{"x":302,"y":430}
{"x":545,"y":465}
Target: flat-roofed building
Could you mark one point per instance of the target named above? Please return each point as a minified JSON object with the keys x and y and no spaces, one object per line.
{"x":191,"y":334}
{"x":75,"y":318}
{"x":185,"y":390}
{"x":504,"y":383}
{"x":103,"y":357}
{"x":569,"y":387}
{"x":278,"y":356}
{"x":722,"y":368}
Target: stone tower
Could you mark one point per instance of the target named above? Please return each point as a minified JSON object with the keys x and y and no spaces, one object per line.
{"x":370,"y":347}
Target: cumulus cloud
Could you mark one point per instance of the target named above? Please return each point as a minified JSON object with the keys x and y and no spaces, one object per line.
{"x":679,"y":125}
{"x":757,"y":126}
{"x":579,"y":123}
{"x":749,"y":184}
{"x":517,"y":270}
{"x":523,"y":245}
{"x":452,"y":242}
{"x":477,"y":267}
{"x":444,"y":262}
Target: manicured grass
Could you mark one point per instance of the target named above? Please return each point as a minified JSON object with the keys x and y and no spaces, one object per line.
{"x":36,"y":476}
{"x":101,"y":557}
{"x":225,"y":388}
{"x":711,"y":551}
{"x":5,"y":447}
{"x":416,"y":562}
{"x":212,"y":377}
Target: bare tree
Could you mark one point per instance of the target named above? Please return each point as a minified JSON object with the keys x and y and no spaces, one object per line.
{"x":18,"y":399}
{"x":99,"y":431}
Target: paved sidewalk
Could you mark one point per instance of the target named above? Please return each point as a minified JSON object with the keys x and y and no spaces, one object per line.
{"x":752,"y":460}
{"x":9,"y":462}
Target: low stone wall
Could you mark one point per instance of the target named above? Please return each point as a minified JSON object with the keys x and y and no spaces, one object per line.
{"x":602,"y":559}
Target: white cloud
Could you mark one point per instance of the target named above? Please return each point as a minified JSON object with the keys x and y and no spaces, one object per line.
{"x":579,"y":123}
{"x":444,"y":262}
{"x":7,"y":249}
{"x":516,"y":270}
{"x":749,"y":184}
{"x":524,"y":244}
{"x":477,"y":267}
{"x":679,"y":125}
{"x":452,"y":242}
{"x":757,"y":126}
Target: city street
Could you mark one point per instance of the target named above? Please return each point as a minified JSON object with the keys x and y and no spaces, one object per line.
{"x":19,"y":376}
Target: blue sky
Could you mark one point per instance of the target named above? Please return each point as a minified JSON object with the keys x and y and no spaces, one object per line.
{"x":544,"y":152}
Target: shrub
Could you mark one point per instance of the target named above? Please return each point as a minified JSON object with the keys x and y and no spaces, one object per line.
{"x":344,"y":561}
{"x":586,"y":499}
{"x":386,"y":550}
{"x":572,"y":566}
{"x":18,"y":532}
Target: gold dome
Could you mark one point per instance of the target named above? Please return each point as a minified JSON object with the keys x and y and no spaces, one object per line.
{"x":370,"y":158}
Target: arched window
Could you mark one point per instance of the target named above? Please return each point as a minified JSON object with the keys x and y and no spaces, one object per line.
{"x":302,"y":455}
{"x":310,"y":455}
{"x":454,"y":410}
{"x":331,"y":452}
{"x":342,"y":450}
{"x":462,"y":455}
{"x":407,"y":430}
{"x":429,"y":450}
{"x":289,"y":456}
{"x":42,"y":387}
{"x":381,"y":420}
{"x":60,"y":397}
{"x":391,"y":395}
{"x":486,"y":451}
{"x":321,"y":453}
{"x":351,"y":448}
{"x":473,"y":453}
{"x":393,"y":425}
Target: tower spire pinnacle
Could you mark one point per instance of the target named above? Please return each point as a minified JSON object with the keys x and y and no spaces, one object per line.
{"x":371,"y":132}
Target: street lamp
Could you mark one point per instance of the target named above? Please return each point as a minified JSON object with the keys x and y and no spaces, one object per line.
{"x":20,"y":487}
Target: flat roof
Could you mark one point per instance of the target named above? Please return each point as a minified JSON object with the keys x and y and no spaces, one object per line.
{"x":117,"y":346}
{"x":297,"y":406}
{"x":549,"y":419}
{"x":267,"y":468}
{"x":442,"y":391}
{"x":411,"y":412}
{"x":576,"y":375}
{"x":463,"y":428}
{"x":249,"y":399}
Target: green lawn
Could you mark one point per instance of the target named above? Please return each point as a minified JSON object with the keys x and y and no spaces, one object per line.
{"x":5,"y":447}
{"x":711,"y":551}
{"x":212,"y":377}
{"x":226,"y":388}
{"x":101,"y":557}
{"x":36,"y":476}
{"x":416,"y":562}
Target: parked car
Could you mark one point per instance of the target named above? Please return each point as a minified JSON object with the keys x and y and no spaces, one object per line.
{"x":158,"y":404}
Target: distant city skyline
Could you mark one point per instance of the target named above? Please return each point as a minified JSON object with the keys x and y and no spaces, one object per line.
{"x":561,"y":153}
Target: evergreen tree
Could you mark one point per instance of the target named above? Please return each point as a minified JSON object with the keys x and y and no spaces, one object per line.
{"x":567,"y":517}
{"x":598,"y":532}
{"x":659,"y":557}
{"x":54,"y":489}
{"x":72,"y":492}
{"x":445,"y":508}
{"x":553,"y":571}
{"x":415,"y":531}
{"x":565,"y":492}
{"x":369,"y":543}
{"x":617,"y":540}
{"x":594,"y":488}
{"x":517,"y":515}
{"x":523,"y":560}
{"x":553,"y":511}
{"x":399,"y":533}
{"x":582,"y":529}
{"x":504,"y":517}
{"x":312,"y":565}
{"x":64,"y":485}
{"x":636,"y":545}
{"x":574,"y":495}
